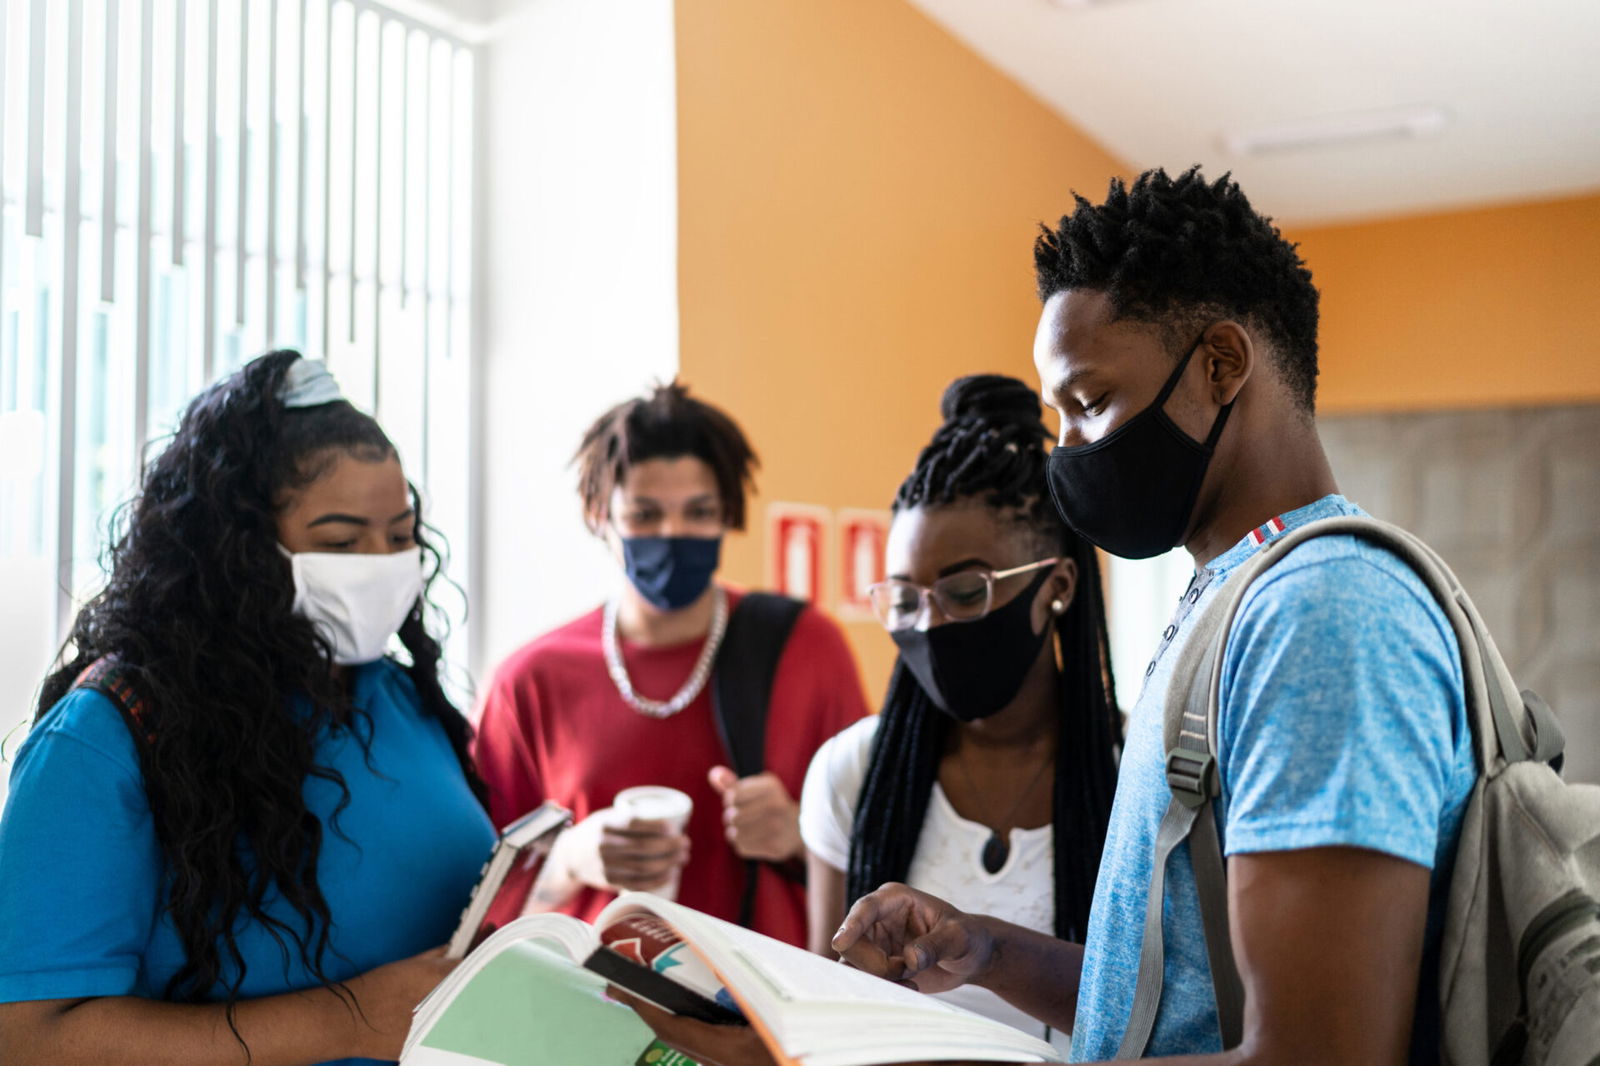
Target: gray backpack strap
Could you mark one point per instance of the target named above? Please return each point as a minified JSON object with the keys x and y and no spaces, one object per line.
{"x":1190,"y":734}
{"x":1500,"y":717}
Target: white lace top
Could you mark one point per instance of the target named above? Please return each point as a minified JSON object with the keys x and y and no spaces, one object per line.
{"x":947,"y":862}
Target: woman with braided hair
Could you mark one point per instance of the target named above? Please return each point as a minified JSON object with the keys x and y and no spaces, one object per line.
{"x":988,"y":778}
{"x":239,"y":829}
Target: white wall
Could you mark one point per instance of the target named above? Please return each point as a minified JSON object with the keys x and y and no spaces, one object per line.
{"x":1141,"y":596}
{"x":27,"y":645}
{"x":577,"y":285}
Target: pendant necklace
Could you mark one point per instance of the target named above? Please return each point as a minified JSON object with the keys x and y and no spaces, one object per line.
{"x":997,"y":849}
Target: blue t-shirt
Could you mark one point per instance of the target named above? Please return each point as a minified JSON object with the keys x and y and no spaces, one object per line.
{"x":82,"y":900}
{"x":1342,"y":722}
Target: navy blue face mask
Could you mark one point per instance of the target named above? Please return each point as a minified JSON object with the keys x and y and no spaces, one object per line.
{"x":671,"y":572}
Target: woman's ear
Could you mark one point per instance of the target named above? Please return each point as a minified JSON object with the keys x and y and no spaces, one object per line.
{"x":1063,"y":585}
{"x":1056,"y":595}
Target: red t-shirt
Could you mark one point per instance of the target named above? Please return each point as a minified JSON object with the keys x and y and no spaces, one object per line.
{"x":555,"y":728}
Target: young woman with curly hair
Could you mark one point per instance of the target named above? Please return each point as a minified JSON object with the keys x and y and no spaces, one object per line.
{"x":238,"y":826}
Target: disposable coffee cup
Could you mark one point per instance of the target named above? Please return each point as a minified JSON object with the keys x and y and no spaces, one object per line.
{"x":655,"y":803}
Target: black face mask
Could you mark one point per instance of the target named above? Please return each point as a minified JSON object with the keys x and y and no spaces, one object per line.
{"x":1131,"y":492}
{"x":971,"y":670}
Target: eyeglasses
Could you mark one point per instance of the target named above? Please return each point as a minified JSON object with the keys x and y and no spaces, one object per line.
{"x":964,"y":596}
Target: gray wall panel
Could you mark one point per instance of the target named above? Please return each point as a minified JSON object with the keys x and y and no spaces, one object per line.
{"x":1512,"y":499}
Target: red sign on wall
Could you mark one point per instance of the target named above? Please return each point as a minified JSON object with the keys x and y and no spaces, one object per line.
{"x":796,"y":536}
{"x":862,"y":538}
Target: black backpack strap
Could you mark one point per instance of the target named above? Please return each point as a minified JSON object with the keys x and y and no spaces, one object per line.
{"x":741,"y":688}
{"x":741,"y":695}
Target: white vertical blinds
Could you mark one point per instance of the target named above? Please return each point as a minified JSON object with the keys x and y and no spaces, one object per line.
{"x":188,"y":183}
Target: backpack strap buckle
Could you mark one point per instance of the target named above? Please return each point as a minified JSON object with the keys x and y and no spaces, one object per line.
{"x":1191,"y":775}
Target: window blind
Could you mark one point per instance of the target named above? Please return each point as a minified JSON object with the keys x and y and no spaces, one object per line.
{"x":188,"y":183}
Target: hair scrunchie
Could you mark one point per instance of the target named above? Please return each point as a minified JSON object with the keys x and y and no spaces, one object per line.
{"x":308,"y":383}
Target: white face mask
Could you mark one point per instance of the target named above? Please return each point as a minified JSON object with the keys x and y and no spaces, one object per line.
{"x":357,"y":601}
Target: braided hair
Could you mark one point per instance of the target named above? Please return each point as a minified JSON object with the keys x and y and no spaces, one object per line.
{"x":991,"y":449}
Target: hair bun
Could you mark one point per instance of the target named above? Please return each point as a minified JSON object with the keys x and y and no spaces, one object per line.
{"x":990,"y":398}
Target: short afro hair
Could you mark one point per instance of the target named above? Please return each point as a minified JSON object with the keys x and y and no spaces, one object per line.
{"x":1174,"y":252}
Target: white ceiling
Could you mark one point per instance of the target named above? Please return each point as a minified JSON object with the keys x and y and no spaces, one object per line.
{"x":1160,"y":82}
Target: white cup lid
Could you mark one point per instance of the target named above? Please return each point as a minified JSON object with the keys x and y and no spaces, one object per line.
{"x":650,"y":803}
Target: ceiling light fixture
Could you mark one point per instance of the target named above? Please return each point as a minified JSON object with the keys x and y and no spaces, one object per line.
{"x":1338,"y":130}
{"x":1078,"y":5}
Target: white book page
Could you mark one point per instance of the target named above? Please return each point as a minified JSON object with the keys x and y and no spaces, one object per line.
{"x":783,"y":974}
{"x":813,"y":1005}
{"x":796,"y":977}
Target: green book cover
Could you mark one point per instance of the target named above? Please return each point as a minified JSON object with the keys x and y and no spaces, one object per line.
{"x":533,"y":1007}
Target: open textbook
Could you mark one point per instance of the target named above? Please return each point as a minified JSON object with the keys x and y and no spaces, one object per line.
{"x":525,"y":996}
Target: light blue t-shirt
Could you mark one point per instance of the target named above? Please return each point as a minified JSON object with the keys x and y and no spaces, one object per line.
{"x":1343,"y":722}
{"x":81,"y":875}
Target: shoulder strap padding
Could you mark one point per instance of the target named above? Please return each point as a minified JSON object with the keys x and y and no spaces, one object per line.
{"x":107,"y":676}
{"x":741,"y":696}
{"x":747,"y":662}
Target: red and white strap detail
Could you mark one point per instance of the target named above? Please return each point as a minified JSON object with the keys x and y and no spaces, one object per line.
{"x":1261,"y":534}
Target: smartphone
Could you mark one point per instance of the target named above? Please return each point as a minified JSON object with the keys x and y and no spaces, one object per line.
{"x":662,"y":991}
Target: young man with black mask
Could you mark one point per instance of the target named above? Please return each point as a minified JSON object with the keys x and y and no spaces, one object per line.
{"x":1178,"y":343}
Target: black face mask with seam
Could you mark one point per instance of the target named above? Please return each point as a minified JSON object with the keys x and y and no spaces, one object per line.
{"x":1131,"y":493}
{"x":971,"y":670}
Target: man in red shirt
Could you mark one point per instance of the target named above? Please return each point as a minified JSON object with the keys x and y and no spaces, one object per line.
{"x":622,"y":696}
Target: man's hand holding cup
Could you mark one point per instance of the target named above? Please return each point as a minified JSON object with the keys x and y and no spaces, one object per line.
{"x":636,"y":844}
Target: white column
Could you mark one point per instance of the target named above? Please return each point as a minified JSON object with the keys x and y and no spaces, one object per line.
{"x":576,"y":285}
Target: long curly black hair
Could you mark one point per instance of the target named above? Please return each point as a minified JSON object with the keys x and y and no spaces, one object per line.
{"x":991,"y":448}
{"x":197,"y":616}
{"x":1176,"y":252}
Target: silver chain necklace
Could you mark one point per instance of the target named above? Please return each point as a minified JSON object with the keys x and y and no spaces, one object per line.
{"x":697,"y":678}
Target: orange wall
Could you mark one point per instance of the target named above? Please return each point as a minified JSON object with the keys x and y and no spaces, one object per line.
{"x":858,"y":193}
{"x":857,"y":196}
{"x":1482,"y":308}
